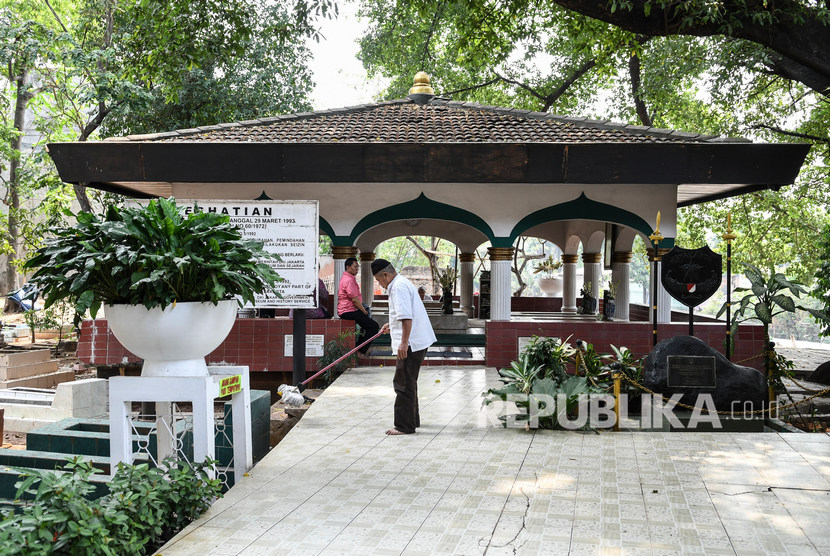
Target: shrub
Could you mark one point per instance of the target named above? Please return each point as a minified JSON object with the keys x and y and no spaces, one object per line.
{"x":144,"y":507}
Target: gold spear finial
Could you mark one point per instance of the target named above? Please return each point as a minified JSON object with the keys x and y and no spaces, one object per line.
{"x":656,"y":236}
{"x":728,"y":235}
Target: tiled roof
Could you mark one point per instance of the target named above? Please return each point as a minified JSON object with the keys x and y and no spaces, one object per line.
{"x":440,"y":121}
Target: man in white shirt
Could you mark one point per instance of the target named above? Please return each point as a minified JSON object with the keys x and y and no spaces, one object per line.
{"x":411,"y":336}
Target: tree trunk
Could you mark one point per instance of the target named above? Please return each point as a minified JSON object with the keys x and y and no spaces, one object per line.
{"x":80,"y":194}
{"x":13,"y":194}
{"x":639,"y":103}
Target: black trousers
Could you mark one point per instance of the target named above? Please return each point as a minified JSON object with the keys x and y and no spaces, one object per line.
{"x":368,"y":327}
{"x":407,"y":417}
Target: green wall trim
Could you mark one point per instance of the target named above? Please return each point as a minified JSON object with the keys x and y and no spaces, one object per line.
{"x":421,"y":207}
{"x":582,"y":208}
{"x":340,"y":241}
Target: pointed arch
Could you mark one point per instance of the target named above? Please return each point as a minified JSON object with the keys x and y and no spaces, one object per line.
{"x":581,"y":208}
{"x":421,"y":207}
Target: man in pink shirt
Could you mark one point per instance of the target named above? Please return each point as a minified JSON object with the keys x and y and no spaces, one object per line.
{"x":350,"y":304}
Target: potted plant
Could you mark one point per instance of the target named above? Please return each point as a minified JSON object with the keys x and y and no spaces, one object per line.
{"x":609,"y":305}
{"x":550,"y":282}
{"x":447,"y":281}
{"x":589,"y":302}
{"x":170,"y":283}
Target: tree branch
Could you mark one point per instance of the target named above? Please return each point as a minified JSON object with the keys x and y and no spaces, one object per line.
{"x":473,"y":87}
{"x":582,"y":70}
{"x":432,"y":28}
{"x":57,"y":18}
{"x":639,"y":103}
{"x":795,"y":32}
{"x":791,"y":133}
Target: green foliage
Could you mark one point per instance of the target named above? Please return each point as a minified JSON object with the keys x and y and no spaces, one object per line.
{"x":551,"y":355}
{"x":540,"y":392}
{"x":822,"y":289}
{"x":269,"y":76}
{"x":622,"y":360}
{"x":334,"y":350}
{"x":521,"y":374}
{"x":548,"y":266}
{"x":145,"y":505}
{"x":447,"y":278}
{"x":41,"y":319}
{"x":768,"y":296}
{"x":152,"y":256}
{"x":713,"y":73}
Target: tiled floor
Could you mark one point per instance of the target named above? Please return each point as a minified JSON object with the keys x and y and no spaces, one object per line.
{"x":464,"y":485}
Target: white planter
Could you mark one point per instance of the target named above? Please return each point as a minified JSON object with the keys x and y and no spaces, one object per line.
{"x":173,"y":342}
{"x":551,"y":287}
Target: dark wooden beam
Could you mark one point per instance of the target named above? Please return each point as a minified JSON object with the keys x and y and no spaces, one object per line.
{"x":742,"y":164}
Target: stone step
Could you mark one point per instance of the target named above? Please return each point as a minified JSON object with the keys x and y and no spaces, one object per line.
{"x":15,"y":357}
{"x":28,"y":369}
{"x":46,"y":380}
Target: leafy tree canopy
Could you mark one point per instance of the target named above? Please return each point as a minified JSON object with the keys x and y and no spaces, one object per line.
{"x":710,"y":67}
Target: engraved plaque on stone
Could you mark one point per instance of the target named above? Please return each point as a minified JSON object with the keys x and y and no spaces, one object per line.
{"x":691,"y":371}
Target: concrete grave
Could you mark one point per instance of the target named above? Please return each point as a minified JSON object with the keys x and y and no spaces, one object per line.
{"x":31,"y":368}
{"x":30,"y":408}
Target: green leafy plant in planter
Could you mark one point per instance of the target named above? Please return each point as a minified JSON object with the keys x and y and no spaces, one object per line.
{"x":153,"y":256}
{"x":540,"y":375}
{"x":551,"y":354}
{"x":766,"y":298}
{"x":547,"y":266}
{"x":447,"y":280}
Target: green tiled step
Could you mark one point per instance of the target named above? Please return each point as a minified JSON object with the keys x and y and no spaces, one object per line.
{"x":444,"y":340}
{"x":50,"y":446}
{"x":34,"y":459}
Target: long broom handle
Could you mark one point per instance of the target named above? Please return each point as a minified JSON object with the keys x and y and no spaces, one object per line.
{"x":321,"y":371}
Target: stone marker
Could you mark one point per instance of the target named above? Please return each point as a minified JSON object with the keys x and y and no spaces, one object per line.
{"x":732,"y":383}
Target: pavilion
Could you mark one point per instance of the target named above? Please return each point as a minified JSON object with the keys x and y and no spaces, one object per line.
{"x":464,"y":172}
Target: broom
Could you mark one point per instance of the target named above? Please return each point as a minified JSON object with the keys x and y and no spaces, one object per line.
{"x":292,"y":396}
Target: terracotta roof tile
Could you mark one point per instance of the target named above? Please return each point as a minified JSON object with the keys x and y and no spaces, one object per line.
{"x":440,"y":121}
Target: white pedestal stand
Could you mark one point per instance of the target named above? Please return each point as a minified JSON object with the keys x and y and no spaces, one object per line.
{"x":200,"y":391}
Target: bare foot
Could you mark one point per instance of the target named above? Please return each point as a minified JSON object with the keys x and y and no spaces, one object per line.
{"x":395,"y":432}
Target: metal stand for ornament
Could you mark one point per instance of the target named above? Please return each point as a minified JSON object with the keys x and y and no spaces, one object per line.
{"x":165,"y":391}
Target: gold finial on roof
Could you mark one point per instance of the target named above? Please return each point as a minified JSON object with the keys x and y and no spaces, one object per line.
{"x":421,"y":84}
{"x":421,"y":91}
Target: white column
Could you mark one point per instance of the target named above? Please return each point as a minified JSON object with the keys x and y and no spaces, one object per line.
{"x":367,"y":280}
{"x":663,"y":303}
{"x":663,"y":297}
{"x":569,"y":283}
{"x":592,"y":273}
{"x":501,"y":259}
{"x":340,"y":253}
{"x":466,"y":268}
{"x":621,"y":275}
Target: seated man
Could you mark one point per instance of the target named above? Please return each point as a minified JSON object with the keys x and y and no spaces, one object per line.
{"x":350,"y":305}
{"x":422,"y":293}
